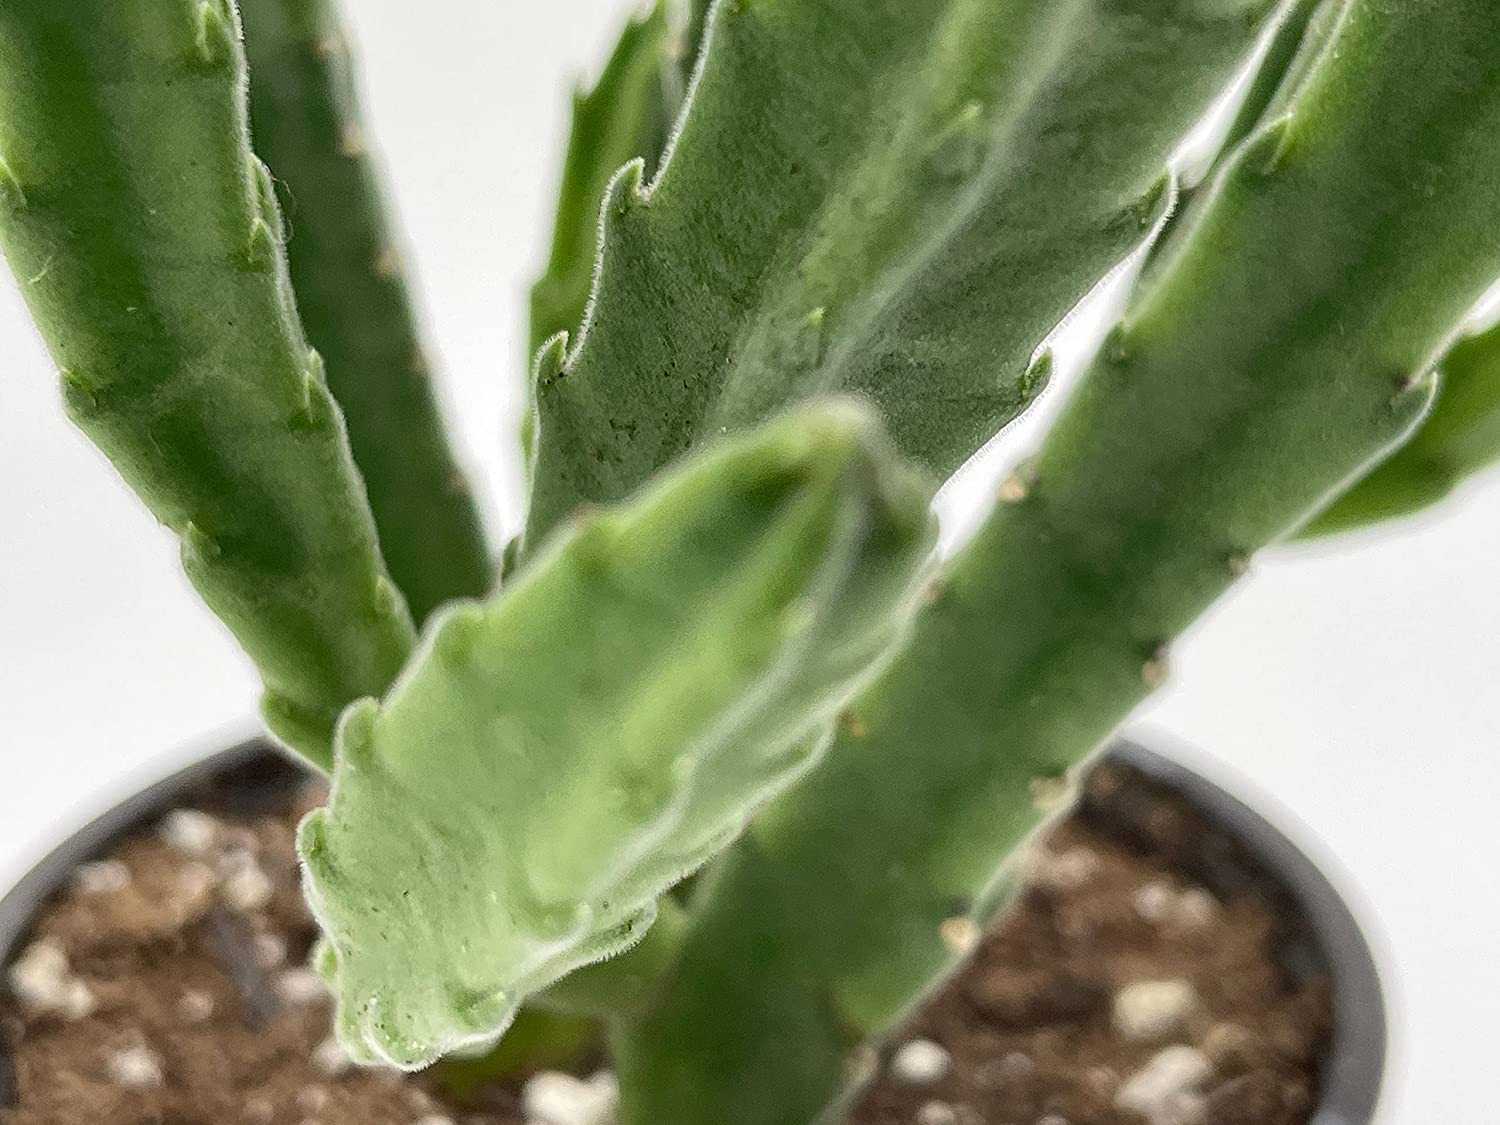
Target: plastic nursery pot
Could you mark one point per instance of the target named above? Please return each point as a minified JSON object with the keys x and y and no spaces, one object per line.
{"x":259,"y":778}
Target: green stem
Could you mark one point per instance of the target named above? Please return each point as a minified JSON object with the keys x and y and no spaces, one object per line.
{"x":1268,"y":361}
{"x":347,"y":273}
{"x":146,"y":238}
{"x":898,"y":201}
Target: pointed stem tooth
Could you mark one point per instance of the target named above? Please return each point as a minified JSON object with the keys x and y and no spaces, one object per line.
{"x":215,"y":37}
{"x":318,"y":412}
{"x":12,"y":194}
{"x":627,"y":190}
{"x":198,"y":544}
{"x":809,"y":340}
{"x":265,"y":188}
{"x":1147,"y":209}
{"x":262,"y":248}
{"x":551,"y":360}
{"x":1038,"y":375}
{"x":385,"y":598}
{"x":1267,"y":150}
{"x":79,"y":393}
{"x":460,"y":633}
{"x":315,"y":367}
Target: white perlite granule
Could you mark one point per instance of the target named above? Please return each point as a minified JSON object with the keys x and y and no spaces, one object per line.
{"x":137,"y":1066}
{"x":313,"y":1099}
{"x":195,"y":1005}
{"x":300,"y":986}
{"x":1150,"y":1011}
{"x":1153,"y":902}
{"x":1165,"y":1090}
{"x":554,"y":1098}
{"x":270,"y":950}
{"x":960,"y":934}
{"x":190,"y":831}
{"x":246,"y":886}
{"x":1162,"y":904}
{"x":102,"y":877}
{"x":1196,"y":908}
{"x":330,"y":1057}
{"x":937,"y":1113}
{"x":43,"y":981}
{"x":1065,"y":870}
{"x":195,"y":881}
{"x":921,"y":1062}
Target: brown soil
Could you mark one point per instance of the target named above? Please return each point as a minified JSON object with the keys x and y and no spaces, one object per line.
{"x":199,"y":1014}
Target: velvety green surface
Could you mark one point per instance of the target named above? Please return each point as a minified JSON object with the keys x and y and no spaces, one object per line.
{"x":147,"y":241}
{"x":556,"y":758}
{"x":347,"y":273}
{"x":627,"y":114}
{"x":891,"y":198}
{"x":1270,"y":360}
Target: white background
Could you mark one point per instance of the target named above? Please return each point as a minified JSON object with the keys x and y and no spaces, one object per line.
{"x":1354,"y":682}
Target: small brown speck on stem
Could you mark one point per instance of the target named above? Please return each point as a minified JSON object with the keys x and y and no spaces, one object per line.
{"x":960,"y":934}
{"x":352,"y":142}
{"x":387,"y":264}
{"x":1154,"y":672}
{"x":1014,"y":489}
{"x":1050,"y":793}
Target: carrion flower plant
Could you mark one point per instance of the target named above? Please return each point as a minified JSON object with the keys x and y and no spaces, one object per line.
{"x":810,"y":257}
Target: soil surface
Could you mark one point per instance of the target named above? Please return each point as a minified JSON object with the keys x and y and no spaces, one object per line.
{"x":1148,"y":975}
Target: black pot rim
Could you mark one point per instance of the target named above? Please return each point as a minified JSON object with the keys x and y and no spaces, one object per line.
{"x":1353,"y":1069}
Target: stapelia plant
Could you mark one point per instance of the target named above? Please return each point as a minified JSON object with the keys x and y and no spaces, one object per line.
{"x":723,"y":638}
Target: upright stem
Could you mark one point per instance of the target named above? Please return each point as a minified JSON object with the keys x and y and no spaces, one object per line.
{"x":346,"y":269}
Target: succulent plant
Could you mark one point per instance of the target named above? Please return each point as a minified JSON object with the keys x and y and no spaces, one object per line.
{"x":809,"y":255}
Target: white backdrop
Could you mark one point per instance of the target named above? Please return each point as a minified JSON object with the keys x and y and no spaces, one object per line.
{"x":1354,"y":682}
